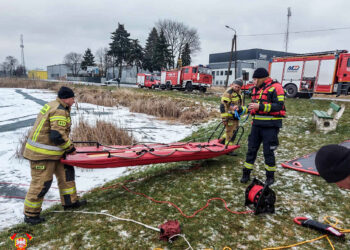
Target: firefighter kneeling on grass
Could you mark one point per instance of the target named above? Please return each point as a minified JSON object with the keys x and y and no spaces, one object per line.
{"x":48,"y":141}
{"x":231,"y":97}
{"x":267,"y":110}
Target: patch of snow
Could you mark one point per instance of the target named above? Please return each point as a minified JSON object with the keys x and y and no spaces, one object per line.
{"x":15,"y":174}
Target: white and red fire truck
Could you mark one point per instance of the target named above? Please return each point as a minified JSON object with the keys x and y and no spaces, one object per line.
{"x":187,"y":78}
{"x":147,"y":80}
{"x":323,"y":72}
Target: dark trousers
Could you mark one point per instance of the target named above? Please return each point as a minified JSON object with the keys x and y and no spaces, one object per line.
{"x":268,"y":136}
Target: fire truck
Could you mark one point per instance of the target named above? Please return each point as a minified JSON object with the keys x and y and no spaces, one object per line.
{"x":147,"y":81}
{"x":323,"y":72}
{"x":187,"y":78}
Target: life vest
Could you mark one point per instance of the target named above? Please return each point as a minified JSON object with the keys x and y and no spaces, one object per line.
{"x":265,"y":95}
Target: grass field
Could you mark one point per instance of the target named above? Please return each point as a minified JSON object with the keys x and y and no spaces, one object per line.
{"x":190,"y":184}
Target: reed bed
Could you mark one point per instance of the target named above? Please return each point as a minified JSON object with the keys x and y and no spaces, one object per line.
{"x":171,"y":108}
{"x":103,"y":132}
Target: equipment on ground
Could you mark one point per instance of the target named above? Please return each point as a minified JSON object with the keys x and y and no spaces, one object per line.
{"x":323,"y":228}
{"x":306,"y":163}
{"x":101,"y":156}
{"x":169,"y":229}
{"x":261,"y":196}
{"x":187,"y":78}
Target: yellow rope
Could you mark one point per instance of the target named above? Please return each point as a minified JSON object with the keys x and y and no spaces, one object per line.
{"x":330,"y":242}
{"x":296,"y":244}
{"x":318,"y":238}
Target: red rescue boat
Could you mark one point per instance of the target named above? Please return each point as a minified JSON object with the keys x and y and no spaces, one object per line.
{"x":101,"y":156}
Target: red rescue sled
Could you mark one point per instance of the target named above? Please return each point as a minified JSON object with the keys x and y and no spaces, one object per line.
{"x":101,"y":156}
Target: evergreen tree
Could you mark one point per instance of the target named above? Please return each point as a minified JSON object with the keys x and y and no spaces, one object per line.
{"x":136,"y":54}
{"x":186,"y":55}
{"x":162,"y":55}
{"x":150,"y":48}
{"x":120,"y":47}
{"x":88,"y":59}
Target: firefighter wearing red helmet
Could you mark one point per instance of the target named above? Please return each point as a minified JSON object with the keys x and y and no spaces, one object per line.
{"x":231,"y":97}
{"x":267,"y":110}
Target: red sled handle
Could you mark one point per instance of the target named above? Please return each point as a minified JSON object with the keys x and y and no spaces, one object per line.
{"x":298,"y":220}
{"x":323,"y":228}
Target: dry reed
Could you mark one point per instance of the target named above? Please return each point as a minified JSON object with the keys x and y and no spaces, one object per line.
{"x":21,"y":145}
{"x":185,"y":111}
{"x":103,"y":132}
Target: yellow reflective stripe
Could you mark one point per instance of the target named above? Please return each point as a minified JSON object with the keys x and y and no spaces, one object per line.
{"x":267,"y":107}
{"x":230,"y":143}
{"x":66,"y":145}
{"x":267,"y":118}
{"x":44,"y":109}
{"x":225,"y":99}
{"x":59,"y":118}
{"x":32,"y":204}
{"x":223,"y":115}
{"x":37,"y":131}
{"x":235,"y":99}
{"x":261,"y":94}
{"x":244,"y":110}
{"x":271,"y":89}
{"x":269,"y":168}
{"x":248,"y":165}
{"x":68,"y":191}
{"x":44,"y":151}
{"x":280,"y":98}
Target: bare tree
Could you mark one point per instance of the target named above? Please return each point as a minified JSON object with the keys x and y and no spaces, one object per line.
{"x":177,"y":35}
{"x":104,"y":61}
{"x":73,"y":61}
{"x":10,"y":64}
{"x":4,"y":68}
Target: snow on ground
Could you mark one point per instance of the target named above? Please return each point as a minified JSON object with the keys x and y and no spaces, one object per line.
{"x":18,"y":110}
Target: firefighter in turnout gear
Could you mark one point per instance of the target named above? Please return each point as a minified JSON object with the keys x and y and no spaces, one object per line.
{"x":267,"y":110}
{"x":231,"y":97}
{"x":48,"y":141}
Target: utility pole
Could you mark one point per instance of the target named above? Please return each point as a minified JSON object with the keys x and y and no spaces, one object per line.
{"x":233,"y":46}
{"x":289,"y":14}
{"x":22,"y":56}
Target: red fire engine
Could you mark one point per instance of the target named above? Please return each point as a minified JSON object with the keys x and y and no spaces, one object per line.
{"x":187,"y":78}
{"x":147,"y":81}
{"x":323,"y":72}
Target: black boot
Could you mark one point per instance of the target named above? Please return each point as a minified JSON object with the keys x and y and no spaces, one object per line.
{"x":246,"y":175}
{"x":33,"y":220}
{"x":77,"y":204}
{"x":270,"y":177}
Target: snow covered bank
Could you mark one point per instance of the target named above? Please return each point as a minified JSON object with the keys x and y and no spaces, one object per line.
{"x":18,"y":112}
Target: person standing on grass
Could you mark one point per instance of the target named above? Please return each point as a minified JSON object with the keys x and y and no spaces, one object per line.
{"x":267,"y":110}
{"x":48,"y":141}
{"x":333,"y":165}
{"x":231,"y":97}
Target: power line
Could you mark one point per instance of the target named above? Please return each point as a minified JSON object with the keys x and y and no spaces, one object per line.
{"x":297,"y":32}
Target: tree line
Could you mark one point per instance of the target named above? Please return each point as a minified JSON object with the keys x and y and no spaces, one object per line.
{"x":11,"y":67}
{"x":167,"y":42}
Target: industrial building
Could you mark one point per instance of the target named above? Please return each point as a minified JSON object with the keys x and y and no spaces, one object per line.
{"x":58,"y":71}
{"x":247,"y":61}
